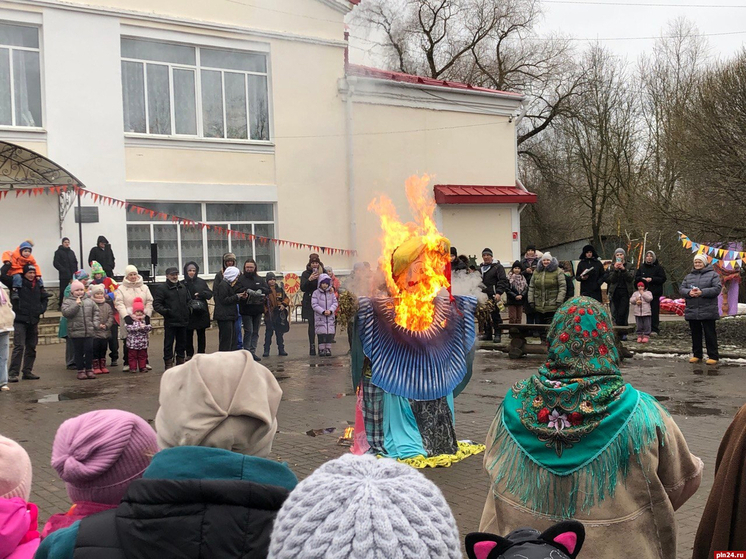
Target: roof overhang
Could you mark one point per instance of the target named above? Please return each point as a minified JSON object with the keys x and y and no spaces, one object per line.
{"x":478,"y":194}
{"x":382,"y":87}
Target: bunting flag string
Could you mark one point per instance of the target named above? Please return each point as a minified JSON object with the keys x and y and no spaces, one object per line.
{"x":175,"y":219}
{"x":727,"y":258}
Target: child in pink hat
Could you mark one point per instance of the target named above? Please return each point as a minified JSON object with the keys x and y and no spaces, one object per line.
{"x":98,"y":454}
{"x":19,"y":537}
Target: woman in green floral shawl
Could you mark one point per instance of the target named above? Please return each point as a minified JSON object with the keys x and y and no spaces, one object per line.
{"x":575,"y":441}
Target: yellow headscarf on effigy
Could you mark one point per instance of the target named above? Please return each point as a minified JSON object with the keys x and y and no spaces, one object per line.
{"x":410,"y":250}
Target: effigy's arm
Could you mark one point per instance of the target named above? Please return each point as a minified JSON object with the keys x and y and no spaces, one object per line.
{"x":469,"y":368}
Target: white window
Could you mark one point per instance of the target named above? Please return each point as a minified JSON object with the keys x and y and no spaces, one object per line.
{"x":20,"y":76}
{"x":180,"y":244}
{"x":182,"y":90}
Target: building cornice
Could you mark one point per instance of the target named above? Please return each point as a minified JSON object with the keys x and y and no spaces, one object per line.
{"x":386,"y":92}
{"x":337,"y":6}
{"x":186,"y":22}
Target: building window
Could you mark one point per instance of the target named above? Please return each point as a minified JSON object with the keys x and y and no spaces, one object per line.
{"x":180,"y":244}
{"x":194,"y":91}
{"x":20,"y":76}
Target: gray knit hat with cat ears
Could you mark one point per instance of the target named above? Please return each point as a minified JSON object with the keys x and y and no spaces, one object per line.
{"x":360,"y":506}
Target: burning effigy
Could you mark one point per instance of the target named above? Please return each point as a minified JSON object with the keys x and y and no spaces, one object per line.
{"x":413,"y":342}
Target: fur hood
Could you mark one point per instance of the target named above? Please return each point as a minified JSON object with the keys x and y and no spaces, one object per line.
{"x":553,"y":265}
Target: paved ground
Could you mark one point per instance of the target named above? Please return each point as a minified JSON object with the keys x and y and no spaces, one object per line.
{"x":317,"y":395}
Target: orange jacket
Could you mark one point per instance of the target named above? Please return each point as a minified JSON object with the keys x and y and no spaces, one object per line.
{"x":17,"y":262}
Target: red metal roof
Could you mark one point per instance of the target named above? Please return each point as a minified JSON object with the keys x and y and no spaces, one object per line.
{"x":476,"y":194}
{"x":376,"y":73}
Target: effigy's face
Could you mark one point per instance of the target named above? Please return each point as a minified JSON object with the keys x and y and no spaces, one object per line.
{"x":409,"y":280}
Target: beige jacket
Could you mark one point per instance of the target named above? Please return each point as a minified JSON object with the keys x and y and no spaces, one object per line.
{"x":126,"y":294}
{"x":6,"y":312}
{"x":638,"y":521}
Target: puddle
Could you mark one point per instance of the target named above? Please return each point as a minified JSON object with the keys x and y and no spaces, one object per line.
{"x":280,"y":378}
{"x":71,"y":395}
{"x":327,"y":364}
{"x":689,"y":408}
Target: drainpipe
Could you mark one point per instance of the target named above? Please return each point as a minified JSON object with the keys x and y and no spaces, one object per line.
{"x":350,"y":165}
{"x":521,"y":207}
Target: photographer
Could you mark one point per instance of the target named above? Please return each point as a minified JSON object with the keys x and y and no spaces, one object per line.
{"x":589,"y":273}
{"x":309,"y":282}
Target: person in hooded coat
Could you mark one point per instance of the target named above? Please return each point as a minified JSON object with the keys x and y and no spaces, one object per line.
{"x":199,"y":319}
{"x":700,"y":289}
{"x":654,"y":276}
{"x":229,"y":259}
{"x":724,"y":518}
{"x":589,"y":273}
{"x":103,"y":254}
{"x":211,"y":491}
{"x":66,"y":264}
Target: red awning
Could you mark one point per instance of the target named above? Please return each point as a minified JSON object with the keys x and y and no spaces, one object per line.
{"x":475,"y":194}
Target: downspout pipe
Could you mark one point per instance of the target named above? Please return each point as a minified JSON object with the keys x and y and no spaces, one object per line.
{"x":349,"y":137}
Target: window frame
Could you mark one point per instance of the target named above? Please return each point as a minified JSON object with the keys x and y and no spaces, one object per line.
{"x":197,"y":69}
{"x":205,"y":271}
{"x":39,"y":50}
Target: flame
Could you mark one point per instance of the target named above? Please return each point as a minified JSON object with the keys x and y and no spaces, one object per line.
{"x":414,"y":289}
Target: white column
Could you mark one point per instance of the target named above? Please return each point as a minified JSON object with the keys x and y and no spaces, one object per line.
{"x":83,"y":104}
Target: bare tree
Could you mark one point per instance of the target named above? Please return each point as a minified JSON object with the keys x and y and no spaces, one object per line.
{"x":489,"y":43}
{"x":592,"y":158}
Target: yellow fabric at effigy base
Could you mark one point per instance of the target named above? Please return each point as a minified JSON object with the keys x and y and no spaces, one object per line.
{"x":444,"y":460}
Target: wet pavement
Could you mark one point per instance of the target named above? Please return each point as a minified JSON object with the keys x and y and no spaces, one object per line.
{"x":318,"y":404}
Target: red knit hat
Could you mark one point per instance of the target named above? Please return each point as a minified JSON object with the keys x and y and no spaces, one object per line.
{"x":137,"y":305}
{"x":639,"y":283}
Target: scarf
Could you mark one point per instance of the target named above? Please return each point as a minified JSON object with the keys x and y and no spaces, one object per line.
{"x":517,"y":282}
{"x":575,"y":425}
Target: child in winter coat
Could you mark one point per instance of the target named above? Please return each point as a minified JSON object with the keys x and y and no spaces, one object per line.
{"x":517,"y":293}
{"x":642,"y":310}
{"x":83,"y":319}
{"x":103,"y":331}
{"x":324,"y":304}
{"x":138,"y":328}
{"x":18,"y":259}
{"x":19,"y":536}
{"x":275,"y":315}
{"x":98,"y":454}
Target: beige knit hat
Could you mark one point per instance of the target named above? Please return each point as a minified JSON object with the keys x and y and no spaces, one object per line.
{"x":15,"y":470}
{"x":221,"y":400}
{"x":702,"y":258}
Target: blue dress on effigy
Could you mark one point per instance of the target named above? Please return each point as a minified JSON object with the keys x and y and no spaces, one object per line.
{"x":409,"y":379}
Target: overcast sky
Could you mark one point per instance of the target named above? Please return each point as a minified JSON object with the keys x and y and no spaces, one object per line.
{"x":585,"y":19}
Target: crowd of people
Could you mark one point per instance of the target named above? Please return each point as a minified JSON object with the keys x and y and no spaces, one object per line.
{"x":536,"y":286}
{"x":203,"y":479}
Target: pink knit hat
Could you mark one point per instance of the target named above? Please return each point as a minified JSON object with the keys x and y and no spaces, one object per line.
{"x":99,"y":453}
{"x":15,"y":470}
{"x":76,"y":285}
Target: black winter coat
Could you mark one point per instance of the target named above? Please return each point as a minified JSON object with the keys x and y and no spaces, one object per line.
{"x":308,"y":287}
{"x":184,"y":519}
{"x":590,"y":283}
{"x":253,"y":305}
{"x":495,"y":280}
{"x":198,"y":289}
{"x":657,"y":276}
{"x":226,"y":299}
{"x":172,"y":301}
{"x":104,"y":256}
{"x":66,"y":264}
{"x":32,"y":302}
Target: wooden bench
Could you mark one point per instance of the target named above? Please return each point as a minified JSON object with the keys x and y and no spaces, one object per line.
{"x":520,"y":347}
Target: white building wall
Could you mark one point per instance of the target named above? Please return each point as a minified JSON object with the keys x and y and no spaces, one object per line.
{"x":83,"y":100}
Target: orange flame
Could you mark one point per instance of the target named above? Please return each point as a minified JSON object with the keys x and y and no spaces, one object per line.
{"x":423,"y":251}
